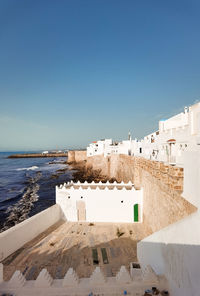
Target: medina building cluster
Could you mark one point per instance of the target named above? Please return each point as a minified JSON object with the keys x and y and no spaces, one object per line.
{"x":175,"y":135}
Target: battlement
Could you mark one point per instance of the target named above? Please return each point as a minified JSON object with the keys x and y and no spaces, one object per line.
{"x":97,"y":283}
{"x":96,"y":186}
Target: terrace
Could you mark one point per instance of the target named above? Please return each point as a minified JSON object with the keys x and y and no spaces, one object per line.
{"x":82,"y":246}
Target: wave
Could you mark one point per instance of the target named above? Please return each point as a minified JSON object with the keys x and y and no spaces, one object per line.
{"x":20,"y":211}
{"x":32,"y":168}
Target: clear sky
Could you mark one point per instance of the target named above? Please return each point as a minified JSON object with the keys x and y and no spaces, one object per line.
{"x":75,"y":71}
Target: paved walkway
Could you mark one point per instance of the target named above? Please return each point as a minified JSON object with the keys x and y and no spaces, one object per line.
{"x":82,"y":246}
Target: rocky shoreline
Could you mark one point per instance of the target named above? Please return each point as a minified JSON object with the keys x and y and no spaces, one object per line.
{"x":32,"y":201}
{"x":83,"y":173}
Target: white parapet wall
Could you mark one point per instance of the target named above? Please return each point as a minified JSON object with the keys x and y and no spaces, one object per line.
{"x":175,"y":250}
{"x":97,"y":284}
{"x":18,"y":235}
{"x":100,"y":202}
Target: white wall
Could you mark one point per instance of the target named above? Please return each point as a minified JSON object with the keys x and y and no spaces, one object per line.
{"x":18,"y":235}
{"x":72,"y":285}
{"x":184,"y":128}
{"x":191,"y":189}
{"x":175,"y":250}
{"x":101,"y":205}
{"x":98,"y":147}
{"x":107,"y":147}
{"x":176,"y":121}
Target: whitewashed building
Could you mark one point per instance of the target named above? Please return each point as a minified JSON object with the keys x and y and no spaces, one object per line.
{"x":176,"y":135}
{"x":98,"y":147}
{"x":100,"y":202}
{"x":108,"y":147}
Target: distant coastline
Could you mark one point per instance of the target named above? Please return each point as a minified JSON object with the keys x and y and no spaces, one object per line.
{"x":36,"y":155}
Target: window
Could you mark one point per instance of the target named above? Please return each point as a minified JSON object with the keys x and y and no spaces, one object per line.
{"x":140,"y":150}
{"x":68,"y":197}
{"x":122,"y":201}
{"x":135,"y":265}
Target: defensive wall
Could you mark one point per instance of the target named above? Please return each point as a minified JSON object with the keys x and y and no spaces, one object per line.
{"x":77,"y":155}
{"x":171,"y":198}
{"x":170,"y":210}
{"x":162,"y":186}
{"x":175,"y":250}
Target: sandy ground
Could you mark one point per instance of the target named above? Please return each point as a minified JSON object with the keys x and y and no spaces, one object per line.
{"x":79,"y":245}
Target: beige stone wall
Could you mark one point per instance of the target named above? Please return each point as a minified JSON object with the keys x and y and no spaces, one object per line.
{"x":77,"y":155}
{"x":99,"y":162}
{"x":162,"y":184}
{"x":80,"y":155}
{"x":71,"y":156}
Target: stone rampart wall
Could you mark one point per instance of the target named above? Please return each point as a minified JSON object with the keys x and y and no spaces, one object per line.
{"x":77,"y":155}
{"x":162,"y":184}
{"x":174,"y":250}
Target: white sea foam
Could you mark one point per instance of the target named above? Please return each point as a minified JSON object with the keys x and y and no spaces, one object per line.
{"x":28,"y":169}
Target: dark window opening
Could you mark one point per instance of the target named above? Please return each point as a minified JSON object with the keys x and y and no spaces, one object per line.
{"x":135,"y":265}
{"x":95,"y":256}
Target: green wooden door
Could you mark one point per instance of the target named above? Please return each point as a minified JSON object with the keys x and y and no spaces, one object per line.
{"x":135,"y":209}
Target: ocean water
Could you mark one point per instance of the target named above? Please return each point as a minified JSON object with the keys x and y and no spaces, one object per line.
{"x":27,"y":186}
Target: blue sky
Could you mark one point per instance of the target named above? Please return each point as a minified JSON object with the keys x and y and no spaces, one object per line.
{"x":75,"y":71}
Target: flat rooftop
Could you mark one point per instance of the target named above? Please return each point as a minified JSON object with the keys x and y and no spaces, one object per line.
{"x":82,"y":246}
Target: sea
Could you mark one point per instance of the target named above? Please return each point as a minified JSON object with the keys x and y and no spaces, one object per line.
{"x":27,"y":186}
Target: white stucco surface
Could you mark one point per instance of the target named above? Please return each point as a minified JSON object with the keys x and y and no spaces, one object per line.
{"x":101,"y":205}
{"x":15,"y":237}
{"x":1,"y":273}
{"x":97,"y":284}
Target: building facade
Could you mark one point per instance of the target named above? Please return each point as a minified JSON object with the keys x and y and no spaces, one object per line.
{"x":100,"y":202}
{"x":176,"y":135}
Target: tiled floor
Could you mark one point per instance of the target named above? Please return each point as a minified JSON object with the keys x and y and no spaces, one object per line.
{"x":78,"y":245}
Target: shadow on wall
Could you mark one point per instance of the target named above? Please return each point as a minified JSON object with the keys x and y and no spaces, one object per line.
{"x":178,"y":262}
